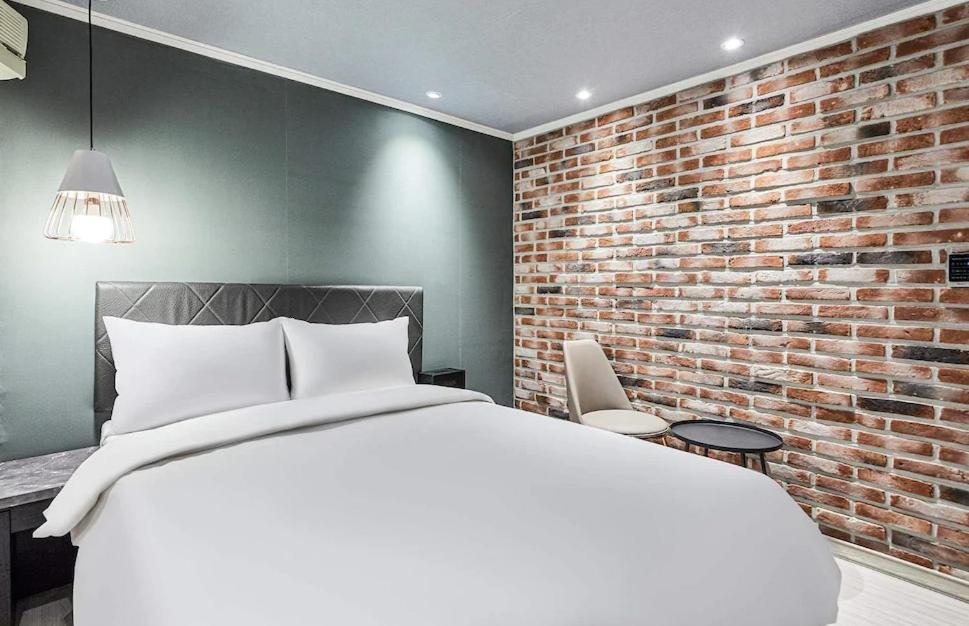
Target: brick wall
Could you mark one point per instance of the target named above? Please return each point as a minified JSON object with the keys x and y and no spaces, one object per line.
{"x":770,"y":248}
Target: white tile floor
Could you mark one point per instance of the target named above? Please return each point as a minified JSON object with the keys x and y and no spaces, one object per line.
{"x":868,"y":598}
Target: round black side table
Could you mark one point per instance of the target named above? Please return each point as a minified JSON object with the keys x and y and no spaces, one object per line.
{"x":728,"y":437}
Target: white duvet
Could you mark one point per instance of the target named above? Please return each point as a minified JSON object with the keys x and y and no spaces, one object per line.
{"x":426,"y":506}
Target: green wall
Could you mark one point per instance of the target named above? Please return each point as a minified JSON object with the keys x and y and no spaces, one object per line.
{"x":234,"y":176}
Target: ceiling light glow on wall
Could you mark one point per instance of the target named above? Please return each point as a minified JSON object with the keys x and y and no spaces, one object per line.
{"x":732,"y":43}
{"x":583,"y":94}
{"x":433,"y":95}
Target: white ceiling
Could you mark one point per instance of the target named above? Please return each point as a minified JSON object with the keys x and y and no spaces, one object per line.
{"x":507,"y":64}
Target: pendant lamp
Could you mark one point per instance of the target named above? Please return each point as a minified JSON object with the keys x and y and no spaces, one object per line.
{"x":89,"y":205}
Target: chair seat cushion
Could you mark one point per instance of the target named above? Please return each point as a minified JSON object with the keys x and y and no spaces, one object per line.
{"x":626,"y":422}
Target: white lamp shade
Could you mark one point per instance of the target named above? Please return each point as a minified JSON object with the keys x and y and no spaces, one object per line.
{"x":89,"y":205}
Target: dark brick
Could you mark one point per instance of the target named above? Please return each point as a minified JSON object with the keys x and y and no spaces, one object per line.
{"x":561,"y":233}
{"x":679,"y":333}
{"x":874,"y":130}
{"x":939,"y":355}
{"x":880,"y":73}
{"x":733,"y":247}
{"x":854,"y":205}
{"x":587,"y":147}
{"x":757,"y":106}
{"x":521,"y":310}
{"x":641,"y":305}
{"x":952,"y":494}
{"x":755,"y":386}
{"x":885,"y":405}
{"x":533,"y":215}
{"x":900,"y":257}
{"x":753,"y":324}
{"x":682,"y":194}
{"x":822,"y":258}
{"x":715,"y":101}
{"x":652,"y":185}
{"x":626,"y":177}
{"x":930,"y":550}
{"x":523,"y":163}
{"x":549,"y":289}
{"x":814,"y":328}
{"x":932,"y":392}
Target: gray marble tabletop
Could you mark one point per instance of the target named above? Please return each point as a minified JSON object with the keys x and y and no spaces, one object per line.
{"x":38,"y":478}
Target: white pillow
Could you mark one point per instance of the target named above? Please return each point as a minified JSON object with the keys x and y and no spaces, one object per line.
{"x":170,"y":373}
{"x":335,"y":358}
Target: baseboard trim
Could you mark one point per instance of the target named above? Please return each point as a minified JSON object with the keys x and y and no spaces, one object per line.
{"x":886,"y":564}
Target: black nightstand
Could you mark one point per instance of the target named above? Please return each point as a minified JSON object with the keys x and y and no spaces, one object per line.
{"x":445,"y":377}
{"x":26,"y":489}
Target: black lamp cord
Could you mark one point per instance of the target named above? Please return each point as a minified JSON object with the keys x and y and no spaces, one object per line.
{"x":90,"y":72}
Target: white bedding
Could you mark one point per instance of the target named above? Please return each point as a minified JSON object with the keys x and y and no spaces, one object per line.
{"x":428,"y":506}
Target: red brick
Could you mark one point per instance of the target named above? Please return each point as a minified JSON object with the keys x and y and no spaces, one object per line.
{"x":854,"y":98}
{"x":895,"y":444}
{"x":938,"y":38}
{"x":614,"y":116}
{"x":921,"y":179}
{"x":889,"y":34}
{"x":893,"y":518}
{"x":820,"y":191}
{"x":926,"y":121}
{"x":854,"y":241}
{"x":818,"y":158}
{"x":895,"y":482}
{"x":825,"y":121}
{"x":850,"y":524}
{"x":857,"y":61}
{"x":935,"y":236}
{"x":816,"y":56}
{"x":935,"y":80}
{"x":931,"y":159}
{"x":956,"y":13}
{"x":900,"y":144}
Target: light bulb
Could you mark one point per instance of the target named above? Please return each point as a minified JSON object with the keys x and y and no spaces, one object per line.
{"x":92,"y":228}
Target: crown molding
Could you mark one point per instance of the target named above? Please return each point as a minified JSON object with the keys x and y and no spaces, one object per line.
{"x":931,"y":6}
{"x":64,"y":9}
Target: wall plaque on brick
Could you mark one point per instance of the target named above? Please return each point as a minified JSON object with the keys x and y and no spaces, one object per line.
{"x":959,"y":268}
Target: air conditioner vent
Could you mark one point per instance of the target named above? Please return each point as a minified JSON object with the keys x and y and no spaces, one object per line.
{"x":13,"y":43}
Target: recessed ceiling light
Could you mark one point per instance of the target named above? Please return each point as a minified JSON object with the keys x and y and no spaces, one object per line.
{"x":434,"y":95}
{"x":584,"y":94}
{"x":732,"y":44}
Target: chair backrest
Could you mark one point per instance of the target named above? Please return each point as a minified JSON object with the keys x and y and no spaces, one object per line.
{"x":590,"y":382}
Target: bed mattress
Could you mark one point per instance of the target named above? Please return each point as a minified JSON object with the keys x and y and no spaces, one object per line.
{"x":429,"y":506}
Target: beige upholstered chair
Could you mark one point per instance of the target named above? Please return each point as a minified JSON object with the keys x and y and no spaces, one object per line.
{"x":596,"y":398}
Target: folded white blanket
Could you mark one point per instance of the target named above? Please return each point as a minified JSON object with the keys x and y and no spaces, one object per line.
{"x":122,"y":454}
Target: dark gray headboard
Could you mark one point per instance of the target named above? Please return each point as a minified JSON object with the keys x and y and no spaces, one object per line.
{"x":227,"y":303}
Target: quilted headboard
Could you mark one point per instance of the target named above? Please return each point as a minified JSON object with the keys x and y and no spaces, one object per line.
{"x":227,"y":303}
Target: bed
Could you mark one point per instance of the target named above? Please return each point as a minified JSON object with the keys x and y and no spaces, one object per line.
{"x":416,"y":505}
